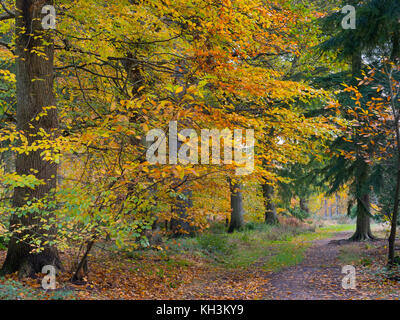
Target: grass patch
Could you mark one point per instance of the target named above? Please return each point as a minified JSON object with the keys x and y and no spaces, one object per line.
{"x":216,"y":244}
{"x":289,"y":255}
{"x":325,"y":232}
{"x":338,"y":228}
{"x":257,"y":244}
{"x":269,"y":247}
{"x":350,"y":254}
{"x":356,"y":253}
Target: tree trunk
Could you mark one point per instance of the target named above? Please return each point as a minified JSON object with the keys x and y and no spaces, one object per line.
{"x":271,"y":216}
{"x":180,"y":225}
{"x":393,"y":229}
{"x":237,"y":215}
{"x":303,"y":205}
{"x":363,"y":228}
{"x":395,"y":47}
{"x":337,"y":198}
{"x":35,"y":76}
{"x":356,"y":64}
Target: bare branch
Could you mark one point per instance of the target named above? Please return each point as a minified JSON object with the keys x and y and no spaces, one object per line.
{"x":6,"y":45}
{"x":10,"y":13}
{"x":5,"y":16}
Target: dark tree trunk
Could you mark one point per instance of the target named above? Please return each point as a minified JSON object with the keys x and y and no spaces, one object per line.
{"x":393,"y":229}
{"x":303,"y":205}
{"x":237,"y":210}
{"x":356,"y":64}
{"x":395,"y":213}
{"x":35,"y":76}
{"x":271,"y":216}
{"x":363,"y":228}
{"x":395,"y":47}
{"x":337,"y":198}
{"x":180,"y":225}
{"x":82,"y":269}
{"x":155,"y":235}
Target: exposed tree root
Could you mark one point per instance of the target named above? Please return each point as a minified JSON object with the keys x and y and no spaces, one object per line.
{"x":358,"y":236}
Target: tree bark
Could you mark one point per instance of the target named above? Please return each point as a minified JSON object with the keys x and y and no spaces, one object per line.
{"x":237,"y":214}
{"x":363,"y":227}
{"x":356,"y":64}
{"x":393,"y":229}
{"x":35,"y":76}
{"x":303,"y":205}
{"x":337,"y":200}
{"x":180,"y":225}
{"x":271,"y":216}
{"x":395,"y":47}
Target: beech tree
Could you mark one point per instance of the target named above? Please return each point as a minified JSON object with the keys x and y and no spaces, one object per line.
{"x":109,"y":69}
{"x":34,"y":51}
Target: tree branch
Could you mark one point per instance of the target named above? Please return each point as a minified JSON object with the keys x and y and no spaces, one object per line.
{"x":10,"y":13}
{"x":5,"y":16}
{"x":6,"y":45}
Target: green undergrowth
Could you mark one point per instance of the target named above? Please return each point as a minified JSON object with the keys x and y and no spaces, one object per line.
{"x":257,"y":245}
{"x":355,"y":253}
{"x":15,"y":290}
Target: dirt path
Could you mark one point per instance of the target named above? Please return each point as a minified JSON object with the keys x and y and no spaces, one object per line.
{"x":318,"y":277}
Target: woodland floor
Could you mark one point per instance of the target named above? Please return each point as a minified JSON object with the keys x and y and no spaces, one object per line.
{"x":317,"y":276}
